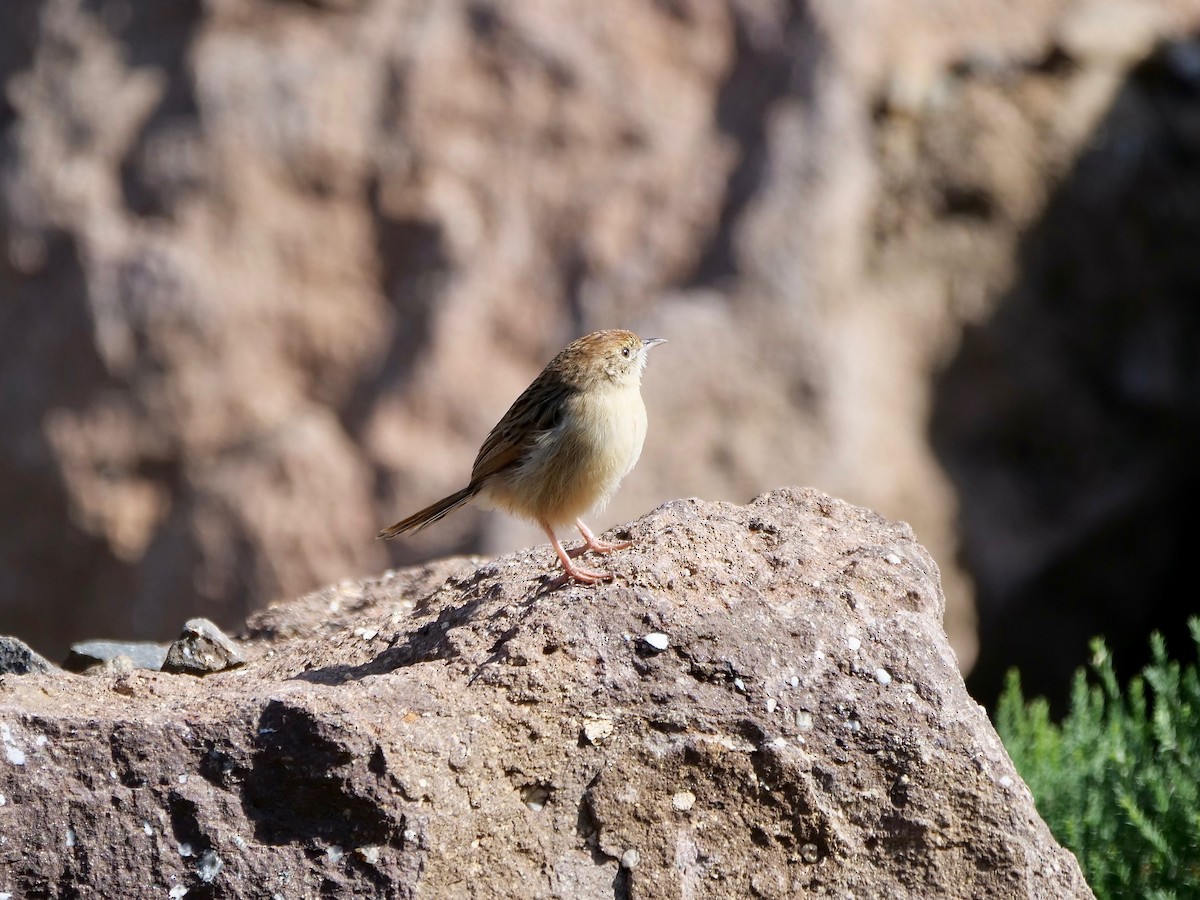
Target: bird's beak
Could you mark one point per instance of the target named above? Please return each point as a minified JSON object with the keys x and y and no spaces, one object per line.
{"x":650,"y":342}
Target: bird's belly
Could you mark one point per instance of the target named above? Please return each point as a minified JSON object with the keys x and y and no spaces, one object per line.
{"x":578,"y":465}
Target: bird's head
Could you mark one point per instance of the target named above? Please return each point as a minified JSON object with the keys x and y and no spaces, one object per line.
{"x":617,"y":357}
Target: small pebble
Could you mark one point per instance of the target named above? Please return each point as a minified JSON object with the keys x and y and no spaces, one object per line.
{"x":630,"y":858}
{"x":1006,"y":781}
{"x":883,"y":676}
{"x":739,"y":685}
{"x":209,"y":866}
{"x":804,"y":721}
{"x":334,"y":853}
{"x":535,"y":796}
{"x":176,"y":892}
{"x":656,"y":640}
{"x":809,"y":854}
{"x":795,"y":681}
{"x":853,"y":643}
{"x":683,"y":801}
{"x":201,"y":649}
{"x":894,"y":559}
{"x":596,"y":730}
{"x":368,"y":854}
{"x":771,"y":704}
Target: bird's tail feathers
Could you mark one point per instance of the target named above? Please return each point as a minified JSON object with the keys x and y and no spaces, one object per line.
{"x":431,"y":513}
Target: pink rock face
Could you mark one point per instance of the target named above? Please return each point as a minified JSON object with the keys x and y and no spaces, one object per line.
{"x":269,"y":272}
{"x":763,"y":703}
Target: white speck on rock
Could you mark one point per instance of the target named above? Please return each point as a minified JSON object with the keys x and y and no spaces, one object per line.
{"x":739,"y":685}
{"x":368,"y":854}
{"x":209,"y":866}
{"x":148,"y":828}
{"x":853,"y":643}
{"x":70,"y":838}
{"x":535,"y":796}
{"x":1006,"y":781}
{"x":630,"y":858}
{"x":186,"y":850}
{"x":657,"y":641}
{"x":809,"y":854}
{"x":15,"y":754}
{"x":883,"y":676}
{"x":176,"y":892}
{"x":795,"y":682}
{"x":804,"y":721}
{"x":771,"y":704}
{"x":894,"y":559}
{"x":596,"y":730}
{"x":182,"y":779}
{"x":334,"y":853}
{"x":683,"y":801}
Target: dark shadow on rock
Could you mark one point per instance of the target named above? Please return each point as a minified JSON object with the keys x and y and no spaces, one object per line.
{"x":771,"y":62}
{"x":1070,"y":421}
{"x":167,"y":160}
{"x":49,"y":367}
{"x":427,"y":643}
{"x":305,"y":785}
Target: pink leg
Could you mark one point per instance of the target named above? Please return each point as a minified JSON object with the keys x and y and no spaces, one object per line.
{"x":570,"y":570}
{"x":591,"y":542}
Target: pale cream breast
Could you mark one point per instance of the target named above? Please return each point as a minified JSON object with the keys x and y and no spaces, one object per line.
{"x":577,"y":466}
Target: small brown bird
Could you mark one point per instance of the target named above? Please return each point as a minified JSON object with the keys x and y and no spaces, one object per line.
{"x":563,"y":446}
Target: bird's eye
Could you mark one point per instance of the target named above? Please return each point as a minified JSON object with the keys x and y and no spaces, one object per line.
{"x":625,"y":352}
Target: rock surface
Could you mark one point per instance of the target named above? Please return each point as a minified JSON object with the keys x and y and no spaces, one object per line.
{"x":457,"y":730}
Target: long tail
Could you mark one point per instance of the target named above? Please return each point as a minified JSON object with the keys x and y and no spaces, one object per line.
{"x":431,"y":513}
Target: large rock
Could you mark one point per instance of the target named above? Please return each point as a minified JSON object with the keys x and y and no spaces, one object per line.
{"x":763,"y":704}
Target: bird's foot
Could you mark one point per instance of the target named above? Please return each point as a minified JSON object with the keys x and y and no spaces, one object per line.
{"x":580,"y":574}
{"x":593,"y":543}
{"x":598,"y":546}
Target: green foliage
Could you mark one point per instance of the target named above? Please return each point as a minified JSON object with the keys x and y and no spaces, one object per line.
{"x":1118,"y":781}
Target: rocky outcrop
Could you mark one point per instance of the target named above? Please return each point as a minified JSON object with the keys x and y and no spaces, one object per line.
{"x":762,"y":704}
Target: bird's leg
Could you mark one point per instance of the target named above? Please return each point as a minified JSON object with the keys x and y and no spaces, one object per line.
{"x":570,"y":570}
{"x":591,"y":542}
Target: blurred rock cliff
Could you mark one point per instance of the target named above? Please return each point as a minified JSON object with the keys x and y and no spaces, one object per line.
{"x":270,"y":270}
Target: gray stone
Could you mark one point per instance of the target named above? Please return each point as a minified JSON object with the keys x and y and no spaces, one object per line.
{"x":143,"y":654}
{"x":18,"y":658}
{"x":202,"y":649}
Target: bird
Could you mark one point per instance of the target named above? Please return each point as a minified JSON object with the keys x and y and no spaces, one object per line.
{"x":563,"y":447}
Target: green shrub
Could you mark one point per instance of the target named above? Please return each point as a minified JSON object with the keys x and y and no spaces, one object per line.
{"x":1118,"y":782}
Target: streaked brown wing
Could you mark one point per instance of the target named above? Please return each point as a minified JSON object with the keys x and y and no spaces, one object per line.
{"x":539,"y":409}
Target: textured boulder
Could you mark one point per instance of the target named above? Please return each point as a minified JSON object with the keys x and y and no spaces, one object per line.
{"x":763,"y":703}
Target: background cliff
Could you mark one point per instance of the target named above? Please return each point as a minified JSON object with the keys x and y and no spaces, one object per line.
{"x":271,"y":270}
